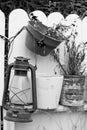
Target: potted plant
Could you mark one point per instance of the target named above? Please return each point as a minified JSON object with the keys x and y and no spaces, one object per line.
{"x":74,"y":71}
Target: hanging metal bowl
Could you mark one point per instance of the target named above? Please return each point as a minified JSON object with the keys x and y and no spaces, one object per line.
{"x":43,"y":42}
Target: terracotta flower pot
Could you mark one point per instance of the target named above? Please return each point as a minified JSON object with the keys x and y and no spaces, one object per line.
{"x":36,"y":35}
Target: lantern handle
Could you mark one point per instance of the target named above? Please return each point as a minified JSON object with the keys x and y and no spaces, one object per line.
{"x":5,"y":94}
{"x":33,"y":76}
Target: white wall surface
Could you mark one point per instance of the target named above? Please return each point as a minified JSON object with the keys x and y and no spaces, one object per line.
{"x":55,"y":121}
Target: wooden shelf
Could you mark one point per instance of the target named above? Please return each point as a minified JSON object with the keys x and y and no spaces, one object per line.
{"x":64,"y":109}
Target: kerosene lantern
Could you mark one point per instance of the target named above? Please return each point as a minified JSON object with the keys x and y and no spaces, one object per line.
{"x":19,"y":98}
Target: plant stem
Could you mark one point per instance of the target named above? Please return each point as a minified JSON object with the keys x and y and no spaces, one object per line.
{"x":62,"y":67}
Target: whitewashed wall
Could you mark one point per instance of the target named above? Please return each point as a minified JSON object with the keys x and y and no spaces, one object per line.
{"x":46,"y":65}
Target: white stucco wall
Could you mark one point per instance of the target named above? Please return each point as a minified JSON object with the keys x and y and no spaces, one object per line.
{"x":55,"y":121}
